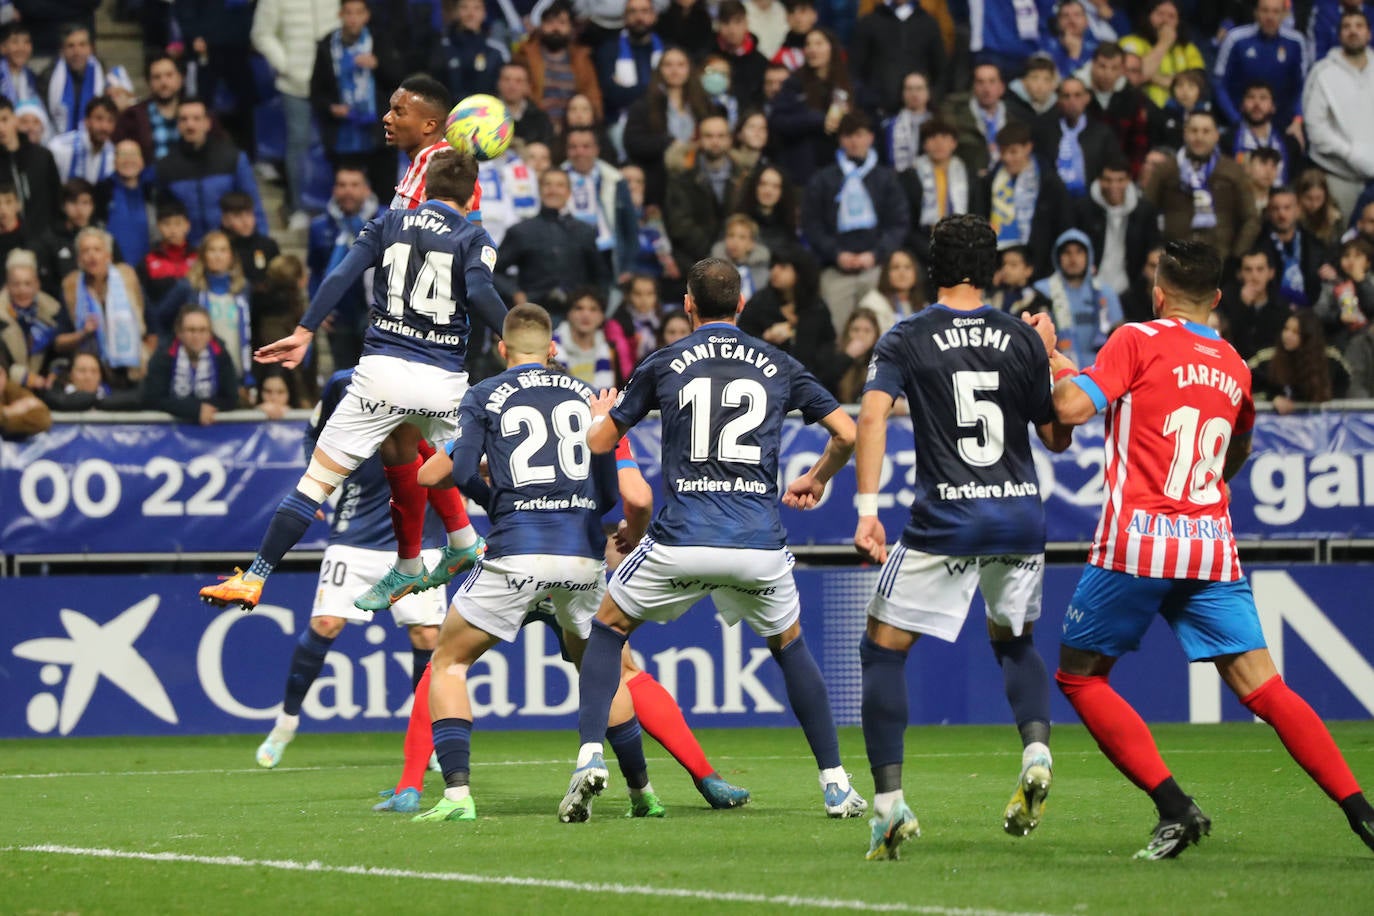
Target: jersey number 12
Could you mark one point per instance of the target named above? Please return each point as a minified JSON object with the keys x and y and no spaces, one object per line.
{"x":739,"y":392}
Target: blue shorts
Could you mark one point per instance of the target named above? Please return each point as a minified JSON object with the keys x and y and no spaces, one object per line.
{"x":1111,"y":611}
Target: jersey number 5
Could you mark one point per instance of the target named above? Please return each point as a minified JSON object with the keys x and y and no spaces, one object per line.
{"x":984,"y":416}
{"x":570,"y":420}
{"x":739,"y":392}
{"x":432,"y":294}
{"x":1202,"y":479}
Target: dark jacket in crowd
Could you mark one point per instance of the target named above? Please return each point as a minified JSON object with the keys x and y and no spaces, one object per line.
{"x":814,"y":340}
{"x":1253,"y":327}
{"x":615,"y":97}
{"x":802,"y":143}
{"x":157,"y":385}
{"x":466,"y":62}
{"x":534,"y":126}
{"x":695,"y":220}
{"x":199,"y":177}
{"x":32,"y":171}
{"x":1053,"y":214}
{"x":973,"y":146}
{"x":1311,"y":257}
{"x":820,"y":214}
{"x":553,"y":252}
{"x":689,"y":28}
{"x":324,"y":91}
{"x":1097,"y":141}
{"x":1127,"y":115}
{"x":885,"y":49}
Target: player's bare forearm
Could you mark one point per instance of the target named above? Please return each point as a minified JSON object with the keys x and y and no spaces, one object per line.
{"x":1237,"y":453}
{"x":638,"y":501}
{"x":1072,"y":405}
{"x":437,"y":472}
{"x":1056,"y":436}
{"x":838,"y":449}
{"x":289,"y":351}
{"x":871,"y":444}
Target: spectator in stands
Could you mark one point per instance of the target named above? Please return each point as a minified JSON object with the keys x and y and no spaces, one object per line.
{"x":676,"y":325}
{"x":741,"y":248}
{"x":1071,"y":43}
{"x":1362,"y":224}
{"x":194,"y":378}
{"x":273,"y":395}
{"x":687,"y":24}
{"x":125,"y":203}
{"x":808,"y":108}
{"x":1296,"y":254}
{"x":734,"y":40}
{"x":1299,"y":368}
{"x":1085,"y":312}
{"x":655,"y":254}
{"x":1264,"y":50}
{"x":199,"y":173}
{"x":510,"y":193}
{"x":1023,"y":198}
{"x":276,"y":309}
{"x":774,"y":78}
{"x":553,"y":252}
{"x":466,"y":58}
{"x":33,"y":172}
{"x":152,"y":123}
{"x":979,"y":115}
{"x":938,"y":185}
{"x":350,"y":88}
{"x":1262,"y":171}
{"x":901,"y":133}
{"x":1122,"y":227}
{"x":74,"y":79}
{"x":253,"y":248}
{"x":557,"y":67}
{"x":215,"y":282}
{"x":666,"y":116}
{"x":634,"y":327}
{"x":625,"y":66}
{"x":801,"y":19}
{"x":85,"y":388}
{"x":1252,"y":306}
{"x":1257,"y":129}
{"x":21,"y":412}
{"x":601,"y":199}
{"x":56,"y":248}
{"x":697,"y":200}
{"x":331,"y":235}
{"x":88,"y":151}
{"x":107,"y":292}
{"x":1346,"y":302}
{"x":714,"y":74}
{"x":1035,"y":88}
{"x":1188,"y":93}
{"x":580,"y":113}
{"x":788,"y":313}
{"x":1320,"y":215}
{"x":1077,"y":145}
{"x":17,"y":80}
{"x":1324,"y":26}
{"x":1119,"y":105}
{"x":853,"y":353}
{"x":31,"y":322}
{"x":1341,"y":83}
{"x":582,"y":346}
{"x":539,"y":158}
{"x":752,"y":143}
{"x":1164,"y":49}
{"x":165,"y":266}
{"x":218,"y":38}
{"x":898,"y":293}
{"x":769,"y":199}
{"x":532,"y":125}
{"x":890,"y":42}
{"x":1006,"y":32}
{"x":768,"y":24}
{"x":33,"y":122}
{"x":854,"y":214}
{"x":1203,"y":195}
{"x":285,"y":32}
{"x":12,"y":232}
{"x":1012,"y":291}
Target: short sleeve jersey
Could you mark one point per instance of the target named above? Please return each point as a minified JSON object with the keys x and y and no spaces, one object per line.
{"x":419,"y":308}
{"x":974,"y":381}
{"x":722,"y":396}
{"x":1175,"y":395}
{"x":532,"y":424}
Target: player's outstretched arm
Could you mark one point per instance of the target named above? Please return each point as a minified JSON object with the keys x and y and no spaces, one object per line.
{"x":806,"y":491}
{"x":289,"y":351}
{"x":366,"y":252}
{"x":638,"y":500}
{"x":869,"y":537}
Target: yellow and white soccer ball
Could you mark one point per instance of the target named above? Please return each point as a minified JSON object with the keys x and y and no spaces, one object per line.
{"x":480,"y":125}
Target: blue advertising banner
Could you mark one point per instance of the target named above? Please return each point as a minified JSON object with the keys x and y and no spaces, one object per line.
{"x":139,"y":655}
{"x":166,"y":489}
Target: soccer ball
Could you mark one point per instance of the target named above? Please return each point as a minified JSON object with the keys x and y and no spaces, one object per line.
{"x":479,"y":125}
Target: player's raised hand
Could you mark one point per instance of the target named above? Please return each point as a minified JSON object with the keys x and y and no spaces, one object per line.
{"x":870,"y":540}
{"x":602,"y":402}
{"x":1044,"y":326}
{"x":804,"y":493}
{"x":289,"y":351}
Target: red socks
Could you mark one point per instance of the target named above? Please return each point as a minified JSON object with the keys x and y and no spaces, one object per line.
{"x":1305,"y":735}
{"x":659,"y":715}
{"x":1117,"y":728}
{"x":419,"y":743}
{"x":447,"y":503}
{"x":407,"y":508}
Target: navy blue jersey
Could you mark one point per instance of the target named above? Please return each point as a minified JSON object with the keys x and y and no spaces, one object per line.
{"x":722,"y":395}
{"x":974,"y":380}
{"x":362,"y":516}
{"x":548,"y":491}
{"x":433,"y":270}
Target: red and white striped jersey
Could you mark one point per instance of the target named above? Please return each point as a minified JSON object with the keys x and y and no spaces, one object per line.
{"x":1175,"y":394}
{"x":410,"y":193}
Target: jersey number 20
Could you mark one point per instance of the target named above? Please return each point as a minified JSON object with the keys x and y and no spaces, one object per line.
{"x":570,"y":420}
{"x":432,"y":294}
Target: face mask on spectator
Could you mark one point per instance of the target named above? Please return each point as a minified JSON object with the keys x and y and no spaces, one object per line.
{"x":714,"y":83}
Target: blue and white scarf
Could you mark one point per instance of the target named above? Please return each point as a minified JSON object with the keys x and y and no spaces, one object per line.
{"x":85,"y":162}
{"x":904,"y":138}
{"x":728,"y":104}
{"x":991,"y":124}
{"x":1013,"y":204}
{"x":66,"y":100}
{"x":117,"y":330}
{"x":1195,"y":181}
{"x":349,"y":227}
{"x":357,"y":90}
{"x":626,"y":73}
{"x":585,"y":204}
{"x":592,"y":365}
{"x":230,"y":318}
{"x":856,"y":210}
{"x":164,"y":130}
{"x":194,"y":379}
{"x":1247,"y":142}
{"x":39,"y":333}
{"x":956,"y":190}
{"x":1069,"y":163}
{"x":1291,"y":281}
{"x":16,"y":89}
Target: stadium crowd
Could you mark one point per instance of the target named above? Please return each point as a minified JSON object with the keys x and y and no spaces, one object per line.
{"x":812,"y":143}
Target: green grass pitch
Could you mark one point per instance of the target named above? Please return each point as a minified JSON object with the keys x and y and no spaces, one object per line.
{"x":301,"y":839}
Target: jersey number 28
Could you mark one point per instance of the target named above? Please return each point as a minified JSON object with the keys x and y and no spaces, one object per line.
{"x":570,"y":420}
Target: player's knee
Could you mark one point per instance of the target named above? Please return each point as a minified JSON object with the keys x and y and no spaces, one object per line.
{"x":327,"y":627}
{"x":780,"y":641}
{"x":1012,"y":647}
{"x":1071,"y":684}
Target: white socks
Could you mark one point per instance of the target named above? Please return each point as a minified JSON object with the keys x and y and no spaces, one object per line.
{"x":463,"y":537}
{"x":1033,"y":750}
{"x":584,"y":753}
{"x":883,"y":802}
{"x":410,"y":566}
{"x":457,"y":793}
{"x":836,"y":775}
{"x":286,"y":723}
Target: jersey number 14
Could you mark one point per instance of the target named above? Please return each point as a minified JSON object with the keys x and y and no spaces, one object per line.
{"x":432,"y":294}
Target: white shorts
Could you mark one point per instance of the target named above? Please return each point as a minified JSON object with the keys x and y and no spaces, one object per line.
{"x":930,"y":594}
{"x":660,"y":582}
{"x":500,"y":591}
{"x":347,"y":572}
{"x":385,"y":392}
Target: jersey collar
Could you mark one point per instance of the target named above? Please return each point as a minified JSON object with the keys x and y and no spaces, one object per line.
{"x":982,"y":309}
{"x":1201,"y":330}
{"x":524,"y":366}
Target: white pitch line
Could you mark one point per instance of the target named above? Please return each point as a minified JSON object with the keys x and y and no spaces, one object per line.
{"x":582,"y":887}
